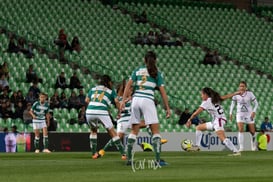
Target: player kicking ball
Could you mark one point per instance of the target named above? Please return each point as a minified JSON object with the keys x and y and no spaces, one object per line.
{"x":212,"y":103}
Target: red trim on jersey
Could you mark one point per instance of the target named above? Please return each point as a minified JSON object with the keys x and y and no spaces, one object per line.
{"x":219,"y":121}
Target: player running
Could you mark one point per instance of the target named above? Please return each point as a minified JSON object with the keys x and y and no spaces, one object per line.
{"x":212,"y":103}
{"x":99,"y":99}
{"x":245,"y":113}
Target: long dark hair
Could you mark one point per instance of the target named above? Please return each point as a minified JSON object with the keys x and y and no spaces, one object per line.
{"x":150,"y":61}
{"x":215,"y":96}
{"x":105,"y":80}
{"x":121,"y":86}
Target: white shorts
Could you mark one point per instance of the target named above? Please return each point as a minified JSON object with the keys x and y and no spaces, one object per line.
{"x":93,"y":120}
{"x":143,"y":107}
{"x":244,"y":118}
{"x":217,"y":124}
{"x":38,"y":124}
{"x":123,"y":127}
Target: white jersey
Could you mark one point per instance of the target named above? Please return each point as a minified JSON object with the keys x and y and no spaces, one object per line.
{"x":215,"y":110}
{"x":244,"y":103}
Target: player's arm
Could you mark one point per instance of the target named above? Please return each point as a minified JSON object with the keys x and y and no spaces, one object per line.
{"x":256,"y":104}
{"x":117,"y":103}
{"x":196,"y":113}
{"x":231,"y":109}
{"x":165,"y":101}
{"x":87,"y":100}
{"x":126,"y":94}
{"x":224,"y":97}
{"x":32,"y":114}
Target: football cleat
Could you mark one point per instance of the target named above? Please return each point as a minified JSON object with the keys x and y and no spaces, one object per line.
{"x":253,"y":146}
{"x":161,"y":162}
{"x":163,"y":141}
{"x":129,"y":163}
{"x":235,"y":154}
{"x":193,"y":148}
{"x":101,"y":152}
{"x":37,"y":151}
{"x":96,"y":156}
{"x":123,"y":157}
{"x":46,"y":151}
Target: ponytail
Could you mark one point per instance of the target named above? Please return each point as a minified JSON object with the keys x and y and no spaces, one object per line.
{"x":105,"y":80}
{"x":215,"y":96}
{"x":150,"y":61}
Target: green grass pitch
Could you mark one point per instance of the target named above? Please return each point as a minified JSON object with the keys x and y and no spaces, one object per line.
{"x":183,"y":166}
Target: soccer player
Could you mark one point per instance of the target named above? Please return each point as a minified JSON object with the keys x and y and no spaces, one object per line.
{"x":40,"y":118}
{"x":123,"y":124}
{"x":212,"y":103}
{"x":99,"y":98}
{"x":245,"y":113}
{"x":146,"y":79}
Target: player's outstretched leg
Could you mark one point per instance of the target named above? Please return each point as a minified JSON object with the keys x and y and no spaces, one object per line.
{"x":231,"y":147}
{"x":107,"y":145}
{"x":119,"y":146}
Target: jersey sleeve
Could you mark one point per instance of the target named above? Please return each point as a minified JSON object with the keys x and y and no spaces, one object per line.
{"x":33,"y":106}
{"x":133,"y":76}
{"x":160,"y":79}
{"x":113,"y":96}
{"x":47,"y":110}
{"x":204,"y":105}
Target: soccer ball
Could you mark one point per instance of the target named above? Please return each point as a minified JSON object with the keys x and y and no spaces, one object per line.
{"x":186,"y":144}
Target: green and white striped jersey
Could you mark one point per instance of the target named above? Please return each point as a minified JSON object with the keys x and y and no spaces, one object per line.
{"x":144,"y":83}
{"x":101,"y":98}
{"x":126,"y":113}
{"x":40,"y":110}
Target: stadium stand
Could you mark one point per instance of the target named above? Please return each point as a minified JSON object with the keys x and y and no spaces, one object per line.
{"x":105,"y":35}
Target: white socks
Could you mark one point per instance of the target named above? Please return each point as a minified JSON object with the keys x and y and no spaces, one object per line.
{"x":198,"y":134}
{"x":241,"y":141}
{"x":230,"y":145}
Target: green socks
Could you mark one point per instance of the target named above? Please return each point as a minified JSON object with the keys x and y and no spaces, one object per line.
{"x":93,"y":143}
{"x":45,"y":142}
{"x":156,"y":141}
{"x":130,"y":144}
{"x":116,"y":141}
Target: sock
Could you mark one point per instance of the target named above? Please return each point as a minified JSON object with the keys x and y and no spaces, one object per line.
{"x":45,"y":142}
{"x":118,"y":144}
{"x":157,"y":146}
{"x":130,"y":144}
{"x":253,"y":141}
{"x":241,"y":140}
{"x":253,"y":137}
{"x":93,"y":143}
{"x":108,"y":144}
{"x":36,"y":143}
{"x":198,"y":135}
{"x":230,"y":145}
{"x":149,"y":131}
